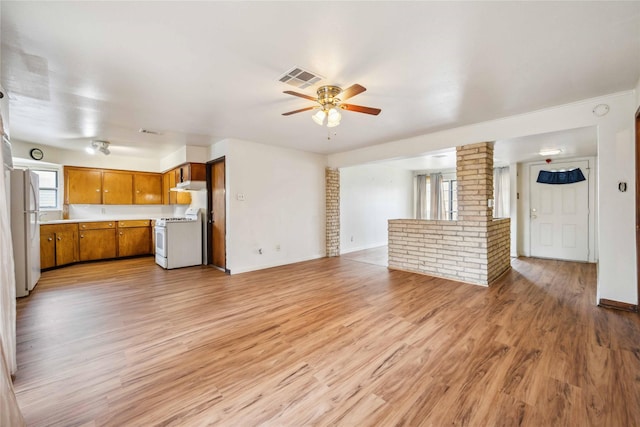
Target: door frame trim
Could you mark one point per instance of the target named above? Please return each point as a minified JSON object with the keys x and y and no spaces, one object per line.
{"x":637,"y":159}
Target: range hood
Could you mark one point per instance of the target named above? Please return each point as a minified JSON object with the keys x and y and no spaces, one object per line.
{"x":190,"y":186}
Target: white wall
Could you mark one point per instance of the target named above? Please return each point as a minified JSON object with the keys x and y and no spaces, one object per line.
{"x":187,"y":153}
{"x":514,"y":207}
{"x":370,"y":195}
{"x":617,"y":276}
{"x":284,"y":204}
{"x":61,"y":156}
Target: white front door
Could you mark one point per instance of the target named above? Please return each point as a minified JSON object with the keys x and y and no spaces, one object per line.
{"x":560,"y":215}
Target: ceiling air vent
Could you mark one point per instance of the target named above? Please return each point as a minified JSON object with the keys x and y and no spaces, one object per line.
{"x":300,"y":78}
{"x":149,"y":131}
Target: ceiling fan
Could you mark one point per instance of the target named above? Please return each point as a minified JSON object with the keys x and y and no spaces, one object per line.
{"x":330,"y":105}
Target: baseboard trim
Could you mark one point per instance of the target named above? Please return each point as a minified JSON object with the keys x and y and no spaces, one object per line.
{"x":617,"y":305}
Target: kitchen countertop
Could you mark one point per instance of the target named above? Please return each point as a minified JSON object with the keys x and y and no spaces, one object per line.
{"x":79,"y":220}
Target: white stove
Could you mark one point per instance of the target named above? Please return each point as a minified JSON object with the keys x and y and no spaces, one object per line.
{"x":179,"y":240}
{"x":191,"y":214}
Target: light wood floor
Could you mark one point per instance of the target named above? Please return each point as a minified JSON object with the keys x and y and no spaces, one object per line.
{"x":377,"y":256}
{"x":327,"y":342}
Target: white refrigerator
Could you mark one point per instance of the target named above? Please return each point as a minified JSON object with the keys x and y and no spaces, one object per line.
{"x":25,"y":229}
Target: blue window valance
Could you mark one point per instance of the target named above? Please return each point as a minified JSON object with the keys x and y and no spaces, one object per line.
{"x":561,"y":177}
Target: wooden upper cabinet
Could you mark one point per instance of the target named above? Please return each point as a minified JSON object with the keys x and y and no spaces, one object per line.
{"x":191,"y":172}
{"x":82,"y":186}
{"x":187,"y":172}
{"x":111,"y":187}
{"x":147,"y":189}
{"x":169,"y":182}
{"x":117,"y":188}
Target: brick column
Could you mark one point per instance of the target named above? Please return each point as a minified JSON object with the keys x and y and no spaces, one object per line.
{"x":332,"y":200}
{"x":474,"y":172}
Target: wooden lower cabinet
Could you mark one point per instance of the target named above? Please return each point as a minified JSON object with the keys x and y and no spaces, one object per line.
{"x":134,"y":238}
{"x":58,"y":245}
{"x":97,"y":240}
{"x":62,"y":244}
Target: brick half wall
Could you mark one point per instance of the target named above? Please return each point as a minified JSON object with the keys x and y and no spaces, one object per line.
{"x":498,"y":248}
{"x":475,"y":252}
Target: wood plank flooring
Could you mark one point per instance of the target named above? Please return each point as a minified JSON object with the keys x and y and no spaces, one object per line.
{"x":327,"y":342}
{"x":378,"y":256}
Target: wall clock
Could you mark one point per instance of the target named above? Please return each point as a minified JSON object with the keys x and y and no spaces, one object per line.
{"x":36,"y":154}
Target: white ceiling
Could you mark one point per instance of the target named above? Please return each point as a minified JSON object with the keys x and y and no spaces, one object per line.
{"x":581,"y":142}
{"x":203,"y":71}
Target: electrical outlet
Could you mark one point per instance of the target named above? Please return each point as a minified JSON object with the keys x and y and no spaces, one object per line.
{"x":278,"y":247}
{"x":352,"y":238}
{"x":240,"y":197}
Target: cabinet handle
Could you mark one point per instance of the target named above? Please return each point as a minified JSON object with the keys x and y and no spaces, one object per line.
{"x":106,"y":191}
{"x":82,"y":236}
{"x":50,"y":239}
{"x":59,"y":238}
{"x":110,"y":225}
{"x":97,"y":190}
{"x":121,"y":233}
{"x":84,"y":226}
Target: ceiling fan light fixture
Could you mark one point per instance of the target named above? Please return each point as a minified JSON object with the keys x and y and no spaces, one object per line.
{"x":319,"y":117}
{"x":330,"y":105}
{"x":334,"y":115}
{"x":333,"y":118}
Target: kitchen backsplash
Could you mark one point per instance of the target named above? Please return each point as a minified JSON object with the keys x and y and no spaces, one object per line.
{"x":125,"y":211}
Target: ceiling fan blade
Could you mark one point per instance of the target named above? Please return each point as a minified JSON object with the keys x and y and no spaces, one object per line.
{"x":301,"y":95}
{"x":298,"y":111}
{"x":360,"y":109}
{"x":352,"y":91}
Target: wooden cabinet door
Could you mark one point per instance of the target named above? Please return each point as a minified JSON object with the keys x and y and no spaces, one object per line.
{"x":183,"y":197}
{"x":167,"y":186}
{"x":83,"y":186}
{"x":197,"y":172}
{"x":148,"y":189}
{"x":97,"y":244}
{"x":134,"y":241}
{"x":191,"y":172}
{"x":182,"y":174}
{"x":66,"y":247}
{"x":117,"y":188}
{"x":172,"y":197}
{"x":47,"y":247}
